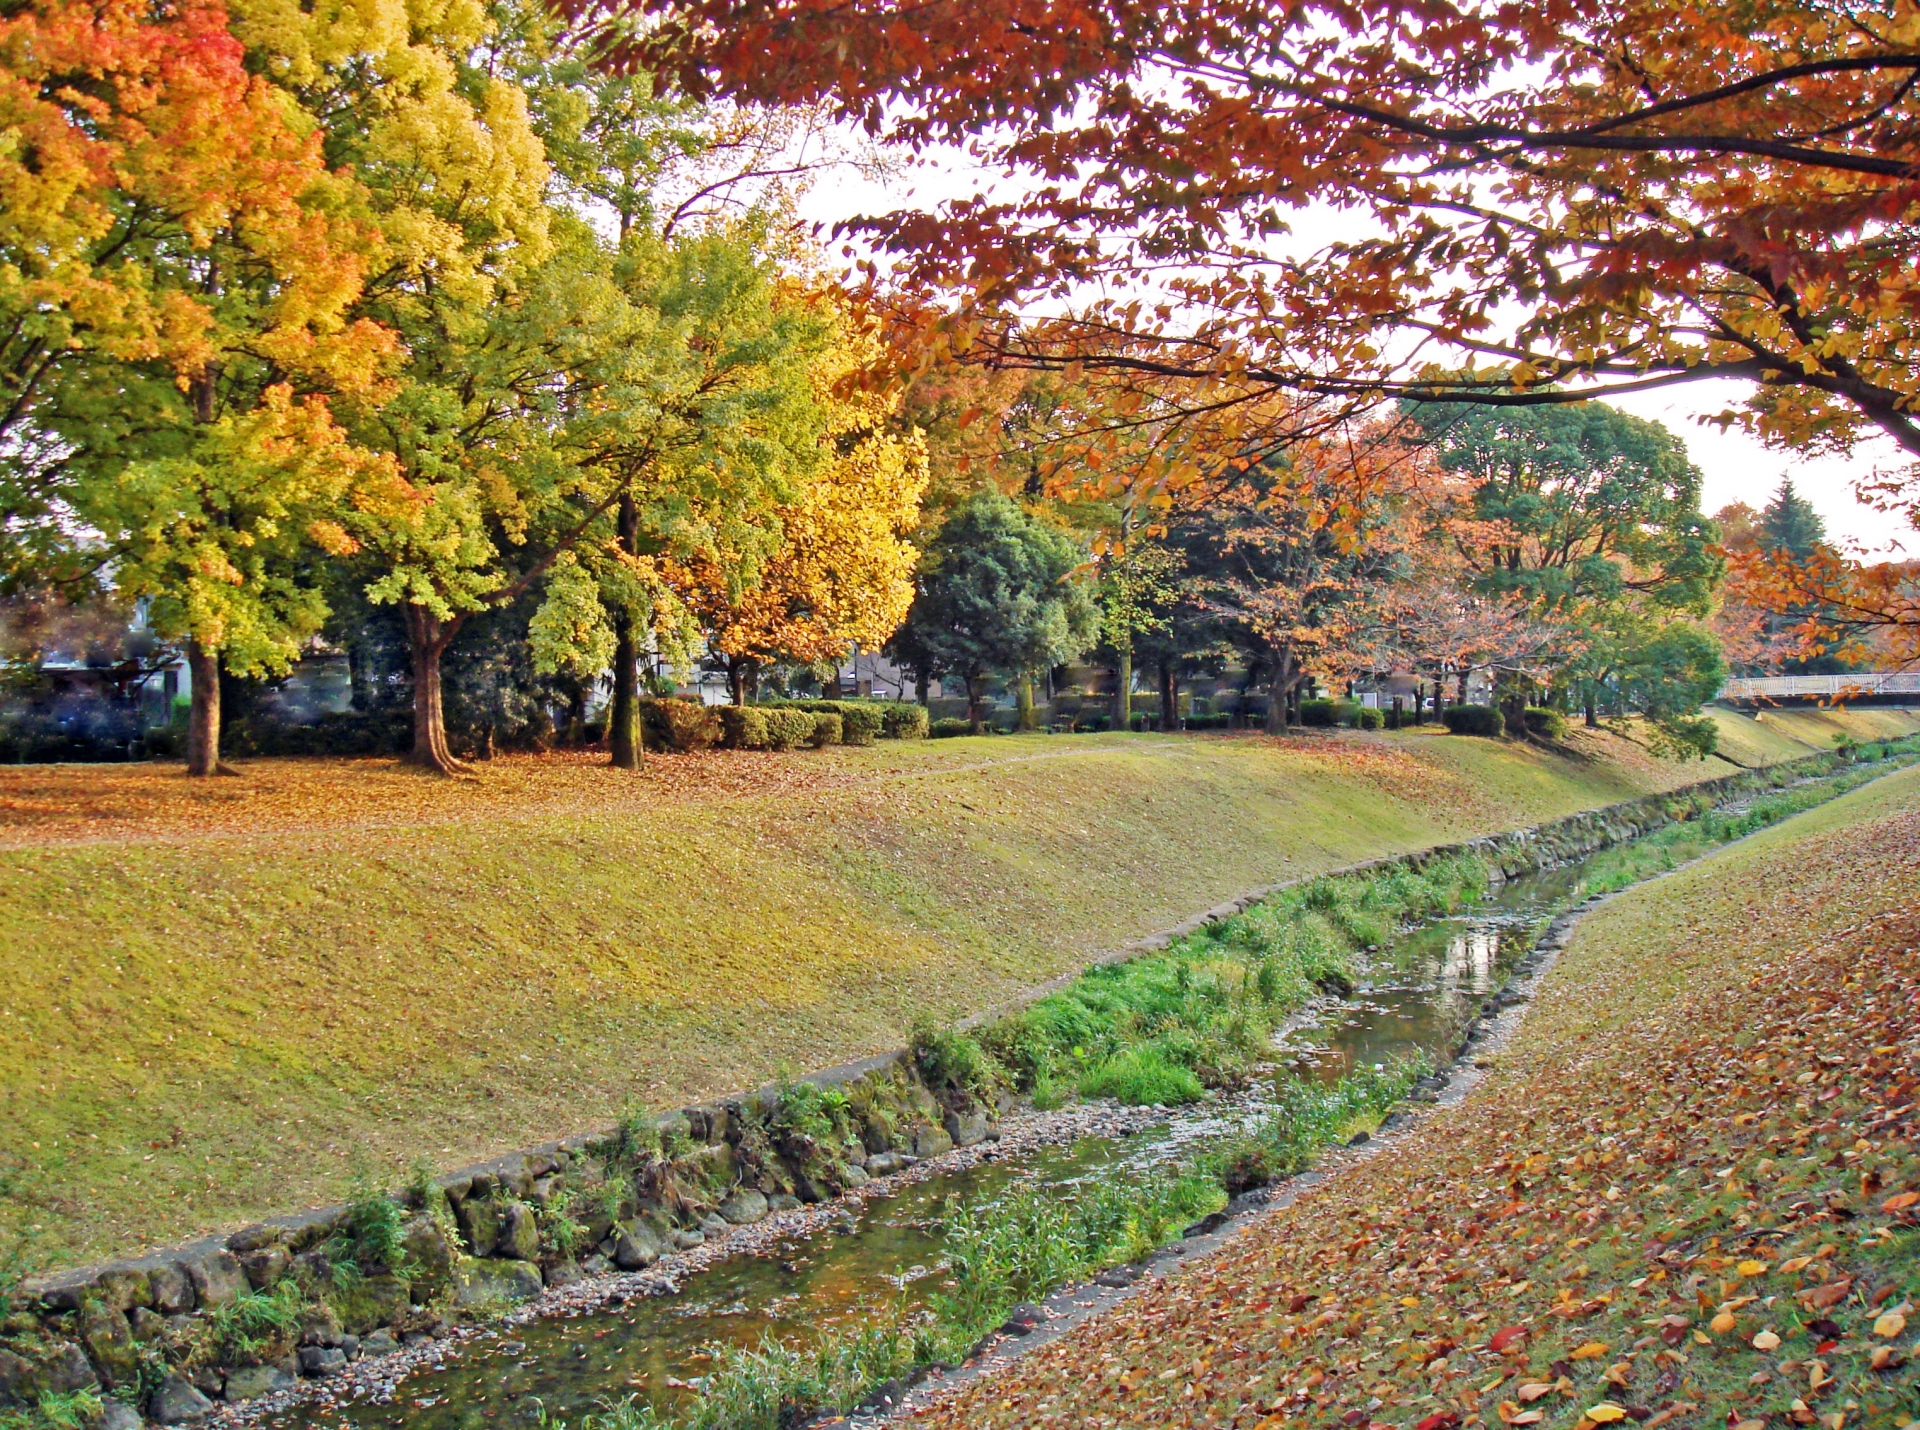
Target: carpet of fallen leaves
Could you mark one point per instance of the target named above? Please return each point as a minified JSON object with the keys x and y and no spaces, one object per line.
{"x":44,"y":805}
{"x":1686,"y":1196}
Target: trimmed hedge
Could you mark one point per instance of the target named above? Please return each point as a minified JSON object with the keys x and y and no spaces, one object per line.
{"x":787,"y":727}
{"x":1542,"y":720}
{"x":947,"y":729}
{"x":903,"y":720}
{"x":1367,"y":718}
{"x":678,"y":725}
{"x":1221,"y":721}
{"x":1474,"y":720}
{"x":743,"y":727}
{"x":1329,"y":712}
{"x":861,"y":721}
{"x":826,"y":731}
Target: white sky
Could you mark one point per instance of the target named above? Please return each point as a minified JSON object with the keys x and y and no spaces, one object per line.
{"x":1737,"y":468}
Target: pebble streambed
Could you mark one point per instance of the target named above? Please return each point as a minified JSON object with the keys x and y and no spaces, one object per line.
{"x":876,"y":1253}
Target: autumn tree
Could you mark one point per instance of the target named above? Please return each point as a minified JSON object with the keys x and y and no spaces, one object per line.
{"x":1623,"y":197}
{"x":183,"y":265}
{"x":841,"y":572}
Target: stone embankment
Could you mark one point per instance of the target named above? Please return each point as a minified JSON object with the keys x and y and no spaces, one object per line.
{"x":236,"y":1317}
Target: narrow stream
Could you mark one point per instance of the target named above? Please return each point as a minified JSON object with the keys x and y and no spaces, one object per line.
{"x":883,"y":1256}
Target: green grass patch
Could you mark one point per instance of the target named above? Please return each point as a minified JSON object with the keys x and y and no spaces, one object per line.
{"x":1689,"y":838}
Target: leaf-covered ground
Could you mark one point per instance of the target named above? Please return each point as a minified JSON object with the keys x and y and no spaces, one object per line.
{"x":219,"y":995}
{"x":1685,"y":1195}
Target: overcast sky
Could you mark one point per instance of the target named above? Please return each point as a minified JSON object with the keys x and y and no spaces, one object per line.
{"x":1736,"y":467}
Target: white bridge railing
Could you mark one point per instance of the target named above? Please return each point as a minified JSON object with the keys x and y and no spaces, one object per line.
{"x":1853,"y":686}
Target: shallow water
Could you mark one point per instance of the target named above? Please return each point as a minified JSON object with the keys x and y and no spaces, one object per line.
{"x":883,"y":1257}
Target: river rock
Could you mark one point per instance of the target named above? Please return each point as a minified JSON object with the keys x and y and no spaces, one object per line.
{"x":885,"y":1164}
{"x":123,"y":1288}
{"x":480,"y":1223}
{"x":519,"y":1233}
{"x":375,"y":1301}
{"x":596,"y":1265}
{"x":251,"y":1382}
{"x":782,"y":1202}
{"x":217,"y":1278}
{"x":429,"y":1258}
{"x":687,"y":1240}
{"x":379,"y":1343}
{"x":110,"y":1345}
{"x":147,"y":1325}
{"x":118,"y":1415}
{"x":60,"y":1369}
{"x":484,"y":1283}
{"x":178,"y":1402}
{"x":931,"y":1142}
{"x":637,"y":1247}
{"x":265,"y":1266}
{"x":561,"y":1273}
{"x":172,"y":1289}
{"x":744,"y":1207}
{"x":322,"y":1361}
{"x":967,"y":1129}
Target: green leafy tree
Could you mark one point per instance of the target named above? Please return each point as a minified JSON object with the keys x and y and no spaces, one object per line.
{"x":994,"y":596}
{"x":1569,"y":505}
{"x":1790,"y":525}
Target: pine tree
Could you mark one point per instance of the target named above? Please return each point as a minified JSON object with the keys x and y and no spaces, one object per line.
{"x":1790,"y":525}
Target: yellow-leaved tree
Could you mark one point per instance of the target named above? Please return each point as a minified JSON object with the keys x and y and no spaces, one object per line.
{"x":841,"y":572}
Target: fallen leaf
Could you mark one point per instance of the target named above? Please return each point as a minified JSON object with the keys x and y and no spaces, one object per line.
{"x":1721,"y":1323}
{"x":1889,"y":1325}
{"x":1752,"y":1268}
{"x":1507,"y":1337}
{"x":1819,"y":1298}
{"x":1766,"y":1341}
{"x":1886,"y":1358}
{"x":1533,"y":1390}
{"x":1592,"y":1350}
{"x":1605,"y":1413}
{"x":1511,"y":1414}
{"x":1901,"y":1202}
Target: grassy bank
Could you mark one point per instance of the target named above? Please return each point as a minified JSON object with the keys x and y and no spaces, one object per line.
{"x":1684,"y":1196}
{"x":221,"y":996}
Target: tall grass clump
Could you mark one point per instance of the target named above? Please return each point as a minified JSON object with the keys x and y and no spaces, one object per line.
{"x":1163,"y":1028}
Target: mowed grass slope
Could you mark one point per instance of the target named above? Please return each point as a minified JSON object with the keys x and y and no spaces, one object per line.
{"x":224,"y":1000}
{"x":1685,"y":1196}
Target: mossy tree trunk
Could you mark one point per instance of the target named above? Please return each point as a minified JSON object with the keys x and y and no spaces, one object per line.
{"x":623,"y":716}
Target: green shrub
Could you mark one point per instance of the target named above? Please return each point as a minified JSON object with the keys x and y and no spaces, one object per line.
{"x":826,"y":731}
{"x":947,"y":729}
{"x":1473,"y":720}
{"x":743,"y":727}
{"x":954,"y":1062}
{"x":1367,"y":718}
{"x":1141,"y":1076}
{"x":1542,"y":720}
{"x":678,"y":725}
{"x":903,"y":720}
{"x":1318,"y":713}
{"x":1221,"y":721}
{"x":787,"y":727}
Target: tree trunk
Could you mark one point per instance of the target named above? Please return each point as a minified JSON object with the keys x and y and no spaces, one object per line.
{"x":427,"y":640}
{"x":976,"y":717}
{"x":1593,"y":715}
{"x":203,"y":714}
{"x":623,"y":718}
{"x":360,"y":676}
{"x":1278,"y":689}
{"x":920,"y":684}
{"x":736,"y":680}
{"x":1462,"y":697}
{"x":1123,"y":691}
{"x":623,"y":715}
{"x":1169,"y":697}
{"x":1023,"y":701}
